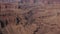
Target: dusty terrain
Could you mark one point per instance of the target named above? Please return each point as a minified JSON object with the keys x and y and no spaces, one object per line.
{"x":36,"y":19}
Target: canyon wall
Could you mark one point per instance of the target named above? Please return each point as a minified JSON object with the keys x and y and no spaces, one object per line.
{"x":42,"y":17}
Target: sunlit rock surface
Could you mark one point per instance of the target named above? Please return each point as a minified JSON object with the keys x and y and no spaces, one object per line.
{"x":30,"y":17}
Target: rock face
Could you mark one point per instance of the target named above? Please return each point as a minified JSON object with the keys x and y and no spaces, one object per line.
{"x":30,"y":19}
